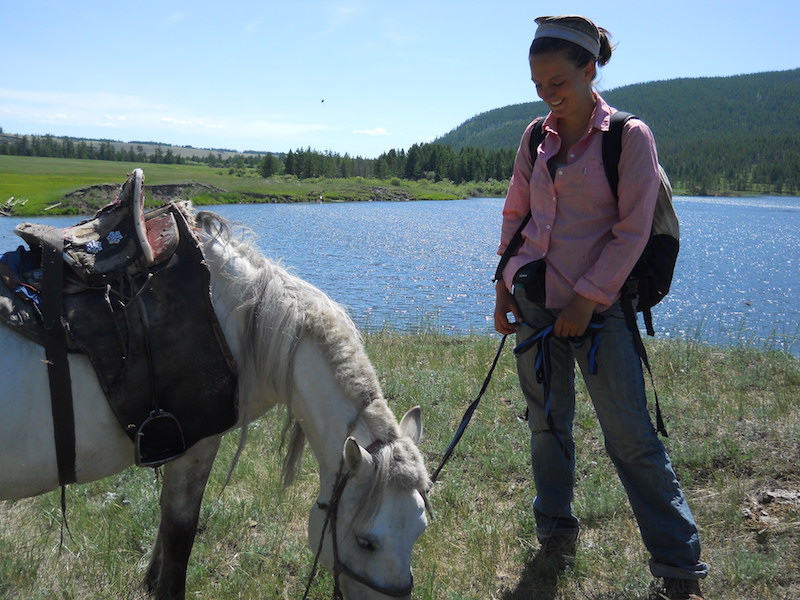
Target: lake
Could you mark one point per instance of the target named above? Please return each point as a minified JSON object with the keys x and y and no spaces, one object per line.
{"x":428,"y":265}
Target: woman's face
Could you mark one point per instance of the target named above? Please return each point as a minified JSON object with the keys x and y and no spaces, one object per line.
{"x":565,"y":88}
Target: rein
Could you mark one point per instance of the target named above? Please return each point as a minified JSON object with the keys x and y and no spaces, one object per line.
{"x":542,"y":339}
{"x":468,"y":413}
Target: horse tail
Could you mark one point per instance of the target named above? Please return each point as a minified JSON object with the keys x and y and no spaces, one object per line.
{"x":294,"y":452}
{"x":239,"y":448}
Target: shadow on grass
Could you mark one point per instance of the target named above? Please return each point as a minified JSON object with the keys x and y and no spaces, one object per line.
{"x":537,"y":581}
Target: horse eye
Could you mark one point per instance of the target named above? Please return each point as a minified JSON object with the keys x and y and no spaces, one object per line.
{"x":365,"y":544}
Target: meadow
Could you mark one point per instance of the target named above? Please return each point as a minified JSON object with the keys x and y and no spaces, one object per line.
{"x":45,"y":182}
{"x":734,"y":424}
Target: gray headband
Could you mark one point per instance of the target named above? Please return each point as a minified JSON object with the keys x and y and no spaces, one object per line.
{"x":554,"y":29}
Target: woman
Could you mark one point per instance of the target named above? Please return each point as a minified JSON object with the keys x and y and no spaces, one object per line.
{"x":577,"y":250}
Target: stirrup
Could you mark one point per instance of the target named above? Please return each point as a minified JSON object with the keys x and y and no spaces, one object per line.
{"x":159,"y":439}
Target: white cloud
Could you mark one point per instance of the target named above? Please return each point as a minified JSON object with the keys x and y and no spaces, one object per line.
{"x":135,"y":117}
{"x":397,"y":37}
{"x":89,"y":101}
{"x":339,"y":15}
{"x":173,"y":121}
{"x":376,"y":131}
{"x":252,"y":27}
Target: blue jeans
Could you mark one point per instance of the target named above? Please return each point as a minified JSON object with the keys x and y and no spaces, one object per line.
{"x":617,"y":391}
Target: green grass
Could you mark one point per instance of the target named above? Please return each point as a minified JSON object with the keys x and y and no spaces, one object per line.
{"x":734,"y":424}
{"x":45,"y":182}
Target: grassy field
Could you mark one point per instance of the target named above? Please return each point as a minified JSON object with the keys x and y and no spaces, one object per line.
{"x":734,"y":424}
{"x":44,"y":182}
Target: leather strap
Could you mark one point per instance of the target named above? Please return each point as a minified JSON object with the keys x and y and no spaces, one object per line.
{"x":56,"y":353}
{"x":537,"y":137}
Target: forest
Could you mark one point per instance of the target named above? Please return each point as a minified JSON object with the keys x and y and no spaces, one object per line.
{"x":715,"y":136}
{"x":435,"y":162}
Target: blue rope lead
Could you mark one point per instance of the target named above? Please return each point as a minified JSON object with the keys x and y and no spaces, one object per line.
{"x":595,"y":325}
{"x":543,"y":365}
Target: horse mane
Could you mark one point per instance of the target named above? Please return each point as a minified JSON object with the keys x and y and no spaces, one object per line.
{"x":280,"y":309}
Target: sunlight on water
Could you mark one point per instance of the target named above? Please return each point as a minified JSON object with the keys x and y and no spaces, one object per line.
{"x":428,"y":265}
{"x":738,"y":275}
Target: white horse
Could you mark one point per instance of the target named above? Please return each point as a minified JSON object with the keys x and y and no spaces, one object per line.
{"x":292,"y":345}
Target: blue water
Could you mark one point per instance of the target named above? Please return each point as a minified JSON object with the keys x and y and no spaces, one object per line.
{"x":428,"y":265}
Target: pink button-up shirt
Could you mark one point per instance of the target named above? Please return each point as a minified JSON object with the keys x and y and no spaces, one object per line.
{"x":589,"y":241}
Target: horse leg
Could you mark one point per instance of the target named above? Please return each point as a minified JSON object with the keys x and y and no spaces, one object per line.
{"x":181,"y":495}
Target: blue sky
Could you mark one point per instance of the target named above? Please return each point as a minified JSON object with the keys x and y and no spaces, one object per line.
{"x":352,"y":76}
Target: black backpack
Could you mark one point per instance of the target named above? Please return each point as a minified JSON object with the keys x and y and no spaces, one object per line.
{"x":650,"y":280}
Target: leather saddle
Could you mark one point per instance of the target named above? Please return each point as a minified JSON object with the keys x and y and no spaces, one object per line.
{"x":118,"y":236}
{"x":129,"y":289}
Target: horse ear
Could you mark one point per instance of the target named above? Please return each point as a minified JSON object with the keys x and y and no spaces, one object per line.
{"x":354,"y":454}
{"x":411,"y":424}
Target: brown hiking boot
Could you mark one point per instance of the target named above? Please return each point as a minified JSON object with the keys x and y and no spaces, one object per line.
{"x":678,"y":589}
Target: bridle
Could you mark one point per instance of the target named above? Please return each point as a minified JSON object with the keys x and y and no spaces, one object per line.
{"x":331,"y":509}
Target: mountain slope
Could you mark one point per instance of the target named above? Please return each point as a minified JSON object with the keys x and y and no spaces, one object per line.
{"x":760,"y":103}
{"x":715,"y":133}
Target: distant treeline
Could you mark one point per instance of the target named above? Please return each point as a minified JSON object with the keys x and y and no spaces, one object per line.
{"x":435,"y":162}
{"x":53,"y":147}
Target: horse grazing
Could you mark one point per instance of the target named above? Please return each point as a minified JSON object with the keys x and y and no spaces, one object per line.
{"x":292,"y":345}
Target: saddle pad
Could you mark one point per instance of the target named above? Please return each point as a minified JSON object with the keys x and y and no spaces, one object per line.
{"x":162,"y":318}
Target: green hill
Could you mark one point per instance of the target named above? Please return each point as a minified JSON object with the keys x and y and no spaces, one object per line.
{"x":741,"y":131}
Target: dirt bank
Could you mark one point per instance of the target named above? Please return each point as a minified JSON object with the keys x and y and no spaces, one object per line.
{"x":90,"y":199}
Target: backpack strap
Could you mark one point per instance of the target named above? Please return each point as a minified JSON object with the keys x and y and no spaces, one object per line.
{"x":626,"y":301}
{"x":612,"y":149}
{"x":537,"y":136}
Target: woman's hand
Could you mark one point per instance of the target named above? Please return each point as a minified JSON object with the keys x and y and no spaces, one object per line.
{"x":504,"y":303}
{"x":574,"y":318}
